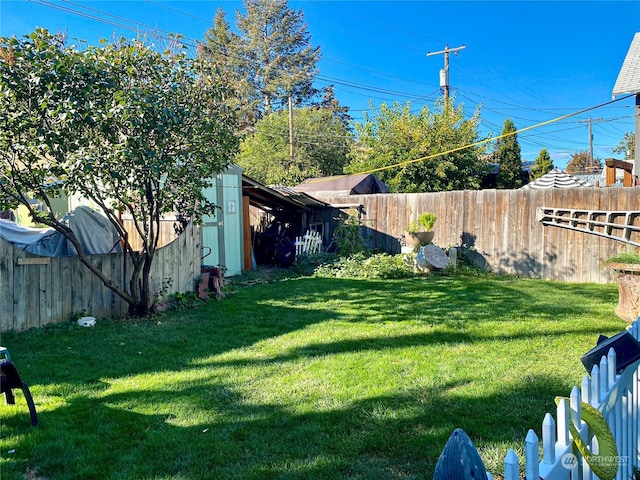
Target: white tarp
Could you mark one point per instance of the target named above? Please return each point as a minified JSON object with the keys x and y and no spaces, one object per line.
{"x":94,"y":231}
{"x":40,"y":241}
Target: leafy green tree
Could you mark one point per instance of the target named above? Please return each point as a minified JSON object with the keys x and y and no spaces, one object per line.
{"x":508,"y":156}
{"x":321,"y":143}
{"x":627,"y":146}
{"x":131,"y":129}
{"x":581,"y":162}
{"x":423,"y":152}
{"x":268,"y":60}
{"x":543,"y":164}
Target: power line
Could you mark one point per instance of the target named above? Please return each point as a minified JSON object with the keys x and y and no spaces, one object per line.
{"x":481,"y":142}
{"x":117,"y":21}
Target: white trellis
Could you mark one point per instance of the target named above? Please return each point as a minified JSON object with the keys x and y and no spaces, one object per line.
{"x":309,"y":244}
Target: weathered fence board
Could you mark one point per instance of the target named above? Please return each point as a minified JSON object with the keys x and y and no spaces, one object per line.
{"x":33,"y":294}
{"x":501,"y":225}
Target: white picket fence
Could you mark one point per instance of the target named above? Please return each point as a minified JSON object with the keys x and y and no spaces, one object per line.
{"x":617,"y":396}
{"x":309,"y":244}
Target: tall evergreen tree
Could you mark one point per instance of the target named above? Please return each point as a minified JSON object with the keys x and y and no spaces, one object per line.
{"x":542,"y":165}
{"x":222,"y":50}
{"x":269,"y":59}
{"x":508,"y":156}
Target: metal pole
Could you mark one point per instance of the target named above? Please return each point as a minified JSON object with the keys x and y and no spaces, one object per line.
{"x":291,"y":151}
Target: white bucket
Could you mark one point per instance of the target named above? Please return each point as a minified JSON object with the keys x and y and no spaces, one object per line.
{"x":87,"y":321}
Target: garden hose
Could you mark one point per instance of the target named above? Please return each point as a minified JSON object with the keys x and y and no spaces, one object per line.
{"x":605,"y":463}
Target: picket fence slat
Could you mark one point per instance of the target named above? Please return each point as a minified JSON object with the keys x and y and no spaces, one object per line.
{"x":511,"y":466}
{"x":616,"y":396}
{"x":531,"y":455}
{"x":548,"y":440}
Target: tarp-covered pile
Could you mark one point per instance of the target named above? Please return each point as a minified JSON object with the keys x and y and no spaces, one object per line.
{"x":94,"y":232}
{"x":340,"y":185}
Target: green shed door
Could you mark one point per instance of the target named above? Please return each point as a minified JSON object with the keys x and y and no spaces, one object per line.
{"x":222,"y":232}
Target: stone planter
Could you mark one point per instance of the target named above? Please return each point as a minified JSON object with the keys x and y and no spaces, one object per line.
{"x":414,"y":239}
{"x":628,"y":277}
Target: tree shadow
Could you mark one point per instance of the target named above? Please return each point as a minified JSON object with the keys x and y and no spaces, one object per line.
{"x":381,"y":437}
{"x":448,"y":306}
{"x":206,"y":426}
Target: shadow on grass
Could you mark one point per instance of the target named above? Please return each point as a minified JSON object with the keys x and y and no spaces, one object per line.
{"x":197,"y":428}
{"x":384,"y":437}
{"x":177,"y":340}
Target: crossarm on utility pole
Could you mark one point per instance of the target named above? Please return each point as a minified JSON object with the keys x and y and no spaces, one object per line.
{"x":444,"y":83}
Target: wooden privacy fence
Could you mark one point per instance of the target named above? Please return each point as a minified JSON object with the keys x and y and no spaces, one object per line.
{"x":616,"y":396}
{"x":39,"y":290}
{"x":501,"y":225}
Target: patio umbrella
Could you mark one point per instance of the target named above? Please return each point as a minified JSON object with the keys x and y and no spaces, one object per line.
{"x":556,"y":178}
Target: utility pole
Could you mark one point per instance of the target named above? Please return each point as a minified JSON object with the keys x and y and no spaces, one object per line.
{"x":291,"y":150}
{"x":444,"y":73}
{"x":590,"y":121}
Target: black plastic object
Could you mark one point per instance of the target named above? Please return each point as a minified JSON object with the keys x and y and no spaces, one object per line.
{"x":10,"y":379}
{"x":274,"y":247}
{"x":626,"y":347}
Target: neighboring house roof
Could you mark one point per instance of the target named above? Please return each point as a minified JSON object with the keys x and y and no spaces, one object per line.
{"x":628,"y":80}
{"x":365,"y":183}
{"x":592,"y":179}
{"x":556,"y":178}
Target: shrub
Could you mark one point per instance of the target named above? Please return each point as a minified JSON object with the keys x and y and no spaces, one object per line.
{"x":347,"y":237}
{"x":379,"y":265}
{"x":626,"y":257}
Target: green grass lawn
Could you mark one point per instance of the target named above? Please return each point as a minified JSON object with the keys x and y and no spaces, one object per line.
{"x":305,"y":378}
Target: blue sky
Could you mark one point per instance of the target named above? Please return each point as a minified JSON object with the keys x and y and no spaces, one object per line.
{"x":531,"y":62}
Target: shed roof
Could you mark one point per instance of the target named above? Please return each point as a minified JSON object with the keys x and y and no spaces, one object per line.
{"x":277,"y":198}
